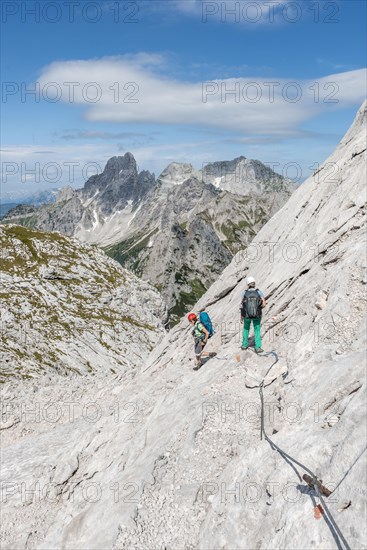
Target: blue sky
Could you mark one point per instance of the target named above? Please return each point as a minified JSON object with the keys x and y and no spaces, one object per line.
{"x":155,"y":78}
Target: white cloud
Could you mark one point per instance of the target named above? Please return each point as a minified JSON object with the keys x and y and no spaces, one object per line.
{"x":133,"y":89}
{"x":260,"y":126}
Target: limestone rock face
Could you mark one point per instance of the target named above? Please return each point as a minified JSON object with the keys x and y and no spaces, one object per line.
{"x":67,"y":307}
{"x":173,"y":457}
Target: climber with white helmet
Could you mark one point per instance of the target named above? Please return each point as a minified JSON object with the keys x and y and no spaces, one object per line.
{"x":253,"y":302}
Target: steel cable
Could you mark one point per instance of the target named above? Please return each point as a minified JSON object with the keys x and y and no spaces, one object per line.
{"x":287,"y":456}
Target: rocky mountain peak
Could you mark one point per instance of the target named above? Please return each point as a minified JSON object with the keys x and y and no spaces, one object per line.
{"x":126,"y":162}
{"x":119,"y":185}
{"x":178,"y":168}
{"x":245,"y":176}
{"x":175,"y":174}
{"x":116,"y":169}
{"x":65,"y":194}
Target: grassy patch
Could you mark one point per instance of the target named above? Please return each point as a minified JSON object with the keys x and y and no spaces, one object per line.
{"x":127,"y":252}
{"x":26,"y":233}
{"x":186,"y":300}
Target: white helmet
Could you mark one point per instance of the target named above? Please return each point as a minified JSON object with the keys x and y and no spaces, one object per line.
{"x":250,"y":280}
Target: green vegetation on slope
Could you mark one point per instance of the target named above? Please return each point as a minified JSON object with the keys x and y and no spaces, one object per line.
{"x":59,"y":307}
{"x":186,"y":299}
{"x":127,"y":252}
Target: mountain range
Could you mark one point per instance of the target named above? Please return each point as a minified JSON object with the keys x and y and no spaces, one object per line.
{"x":177,"y":232}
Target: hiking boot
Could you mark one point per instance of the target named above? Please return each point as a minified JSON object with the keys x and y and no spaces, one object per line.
{"x":198,"y":366}
{"x":212,"y":354}
{"x":259,"y":350}
{"x":244,"y":347}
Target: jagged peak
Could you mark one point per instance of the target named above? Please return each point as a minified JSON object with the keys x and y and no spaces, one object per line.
{"x":176,"y":171}
{"x":65,"y":193}
{"x":239,"y":159}
{"x":175,"y":174}
{"x":125,"y":162}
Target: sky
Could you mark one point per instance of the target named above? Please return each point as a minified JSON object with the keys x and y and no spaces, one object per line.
{"x":174,"y":80}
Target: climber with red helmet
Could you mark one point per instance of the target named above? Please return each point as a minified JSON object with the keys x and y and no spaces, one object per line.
{"x":201,"y":335}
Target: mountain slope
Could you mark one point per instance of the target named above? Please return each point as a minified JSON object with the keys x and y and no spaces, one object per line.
{"x":68,"y":307}
{"x":189,"y":238}
{"x":185,"y":233}
{"x":190,"y":470}
{"x":5,"y":207}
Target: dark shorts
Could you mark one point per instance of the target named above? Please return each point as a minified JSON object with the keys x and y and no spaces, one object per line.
{"x":198,"y":346}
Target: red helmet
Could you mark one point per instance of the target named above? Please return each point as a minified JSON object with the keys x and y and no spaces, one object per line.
{"x":192,"y":317}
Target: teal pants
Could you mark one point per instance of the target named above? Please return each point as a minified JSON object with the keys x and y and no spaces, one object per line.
{"x":246,"y":330}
